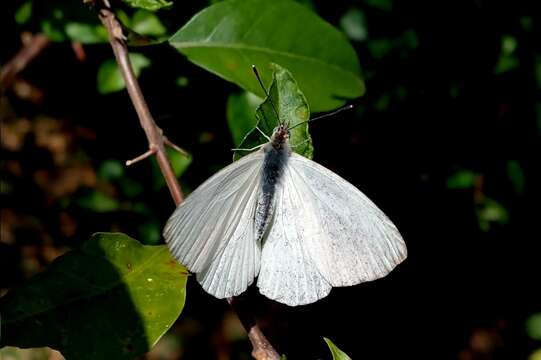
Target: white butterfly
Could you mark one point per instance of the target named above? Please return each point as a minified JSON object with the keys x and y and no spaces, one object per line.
{"x":276,"y":215}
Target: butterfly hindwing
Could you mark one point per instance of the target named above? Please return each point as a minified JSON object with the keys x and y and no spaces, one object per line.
{"x":352,"y":240}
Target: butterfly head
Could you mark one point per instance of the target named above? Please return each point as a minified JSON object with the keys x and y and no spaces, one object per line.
{"x":280,"y":136}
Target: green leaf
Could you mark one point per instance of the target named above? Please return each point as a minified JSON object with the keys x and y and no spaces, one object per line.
{"x":14,"y":353}
{"x":109,"y":75}
{"x":86,"y":33}
{"x":490,"y":212}
{"x":353,"y":23}
{"x":229,"y":37}
{"x":110,"y":170}
{"x":98,"y":201}
{"x":508,"y":60}
{"x":337,"y":354}
{"x":23,"y":13}
{"x":462,"y":179}
{"x":147,"y":23}
{"x":113,"y":298}
{"x":536,"y":355}
{"x":291,"y":106}
{"x":66,"y":20}
{"x":151,"y":5}
{"x":241,"y":118}
{"x":516,"y":175}
{"x":533,"y":326}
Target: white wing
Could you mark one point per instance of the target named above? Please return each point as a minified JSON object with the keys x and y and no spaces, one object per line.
{"x":288,"y":273}
{"x":212,"y":231}
{"x":351,"y":240}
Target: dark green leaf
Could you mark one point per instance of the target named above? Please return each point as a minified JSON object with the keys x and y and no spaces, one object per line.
{"x":109,"y":75}
{"x":229,"y":37}
{"x":462,"y":179}
{"x":337,"y":354}
{"x":533,"y":326}
{"x":113,"y":298}
{"x":288,"y":104}
{"x":241,"y":118}
{"x":23,"y":13}
{"x":151,"y":5}
{"x":110,"y":170}
{"x":98,"y":201}
{"x":516,"y":175}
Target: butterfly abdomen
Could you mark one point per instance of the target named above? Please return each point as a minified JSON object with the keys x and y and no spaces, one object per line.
{"x":271,"y":174}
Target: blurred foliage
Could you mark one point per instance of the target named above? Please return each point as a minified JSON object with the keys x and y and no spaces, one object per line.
{"x":445,"y":140}
{"x":109,"y":76}
{"x":111,"y":279}
{"x":533,"y":326}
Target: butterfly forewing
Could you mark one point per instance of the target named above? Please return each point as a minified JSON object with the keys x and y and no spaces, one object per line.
{"x":212,"y":231}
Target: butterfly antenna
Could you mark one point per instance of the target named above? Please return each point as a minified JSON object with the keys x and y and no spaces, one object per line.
{"x":343,"y":108}
{"x":254,"y":69}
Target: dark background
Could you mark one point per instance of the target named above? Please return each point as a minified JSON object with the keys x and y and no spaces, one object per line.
{"x":445,"y":141}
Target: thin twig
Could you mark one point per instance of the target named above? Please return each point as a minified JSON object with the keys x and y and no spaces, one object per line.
{"x":153,"y":133}
{"x":148,"y":153}
{"x":175,"y":146}
{"x":262,"y":348}
{"x":28,"y":52}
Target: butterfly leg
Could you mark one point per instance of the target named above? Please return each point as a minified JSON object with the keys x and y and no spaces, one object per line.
{"x":251,"y":149}
{"x":262,"y":133}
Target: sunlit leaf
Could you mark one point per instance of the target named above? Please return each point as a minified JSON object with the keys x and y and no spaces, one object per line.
{"x":113,"y":298}
{"x":109,"y":75}
{"x":337,"y":354}
{"x":229,"y":37}
{"x":43,"y":353}
{"x":288,"y":104}
{"x":151,"y":5}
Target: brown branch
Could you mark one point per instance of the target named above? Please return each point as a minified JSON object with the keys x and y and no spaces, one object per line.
{"x":262,"y":348}
{"x":153,"y":133}
{"x":28,"y":52}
